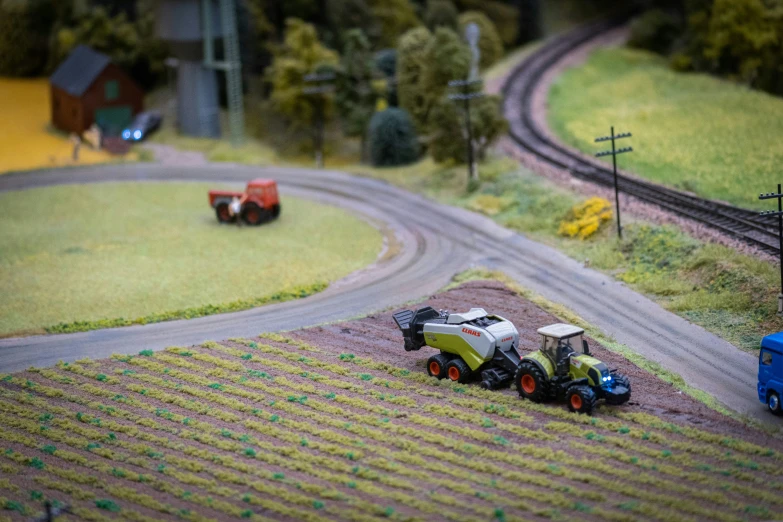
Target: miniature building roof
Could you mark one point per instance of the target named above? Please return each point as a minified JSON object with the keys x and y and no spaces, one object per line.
{"x":560,"y":330}
{"x":79,"y":70}
{"x":773,"y":342}
{"x":474,"y":313}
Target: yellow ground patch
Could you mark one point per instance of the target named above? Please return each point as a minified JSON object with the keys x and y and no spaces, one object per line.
{"x":27,"y":140}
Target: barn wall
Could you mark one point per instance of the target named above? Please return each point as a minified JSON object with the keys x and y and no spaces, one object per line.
{"x":95,"y":96}
{"x":66,"y":111}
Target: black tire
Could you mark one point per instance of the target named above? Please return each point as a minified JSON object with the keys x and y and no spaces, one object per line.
{"x":275,"y":211}
{"x":438,"y":371}
{"x":581,"y":399}
{"x":531,"y":382}
{"x":773,"y":403}
{"x":620,"y":380}
{"x":458,"y":370}
{"x":253,"y":215}
{"x":223,"y":214}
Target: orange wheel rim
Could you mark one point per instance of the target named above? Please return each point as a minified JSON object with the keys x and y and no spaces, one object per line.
{"x":434,"y":368}
{"x":528,"y":384}
{"x":454,"y":373}
{"x":576,"y":401}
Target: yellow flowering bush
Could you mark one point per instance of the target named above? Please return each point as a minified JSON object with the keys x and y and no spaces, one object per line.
{"x":584,"y":219}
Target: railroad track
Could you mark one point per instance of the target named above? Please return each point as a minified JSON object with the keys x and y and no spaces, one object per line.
{"x":518,"y":94}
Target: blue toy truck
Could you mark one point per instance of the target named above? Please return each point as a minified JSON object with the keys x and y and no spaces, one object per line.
{"x":770,"y":385}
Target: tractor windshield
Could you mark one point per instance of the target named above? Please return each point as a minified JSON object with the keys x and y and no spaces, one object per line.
{"x":573,"y":344}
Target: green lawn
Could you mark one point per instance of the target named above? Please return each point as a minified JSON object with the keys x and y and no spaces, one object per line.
{"x":132,"y":250}
{"x":691,"y":131}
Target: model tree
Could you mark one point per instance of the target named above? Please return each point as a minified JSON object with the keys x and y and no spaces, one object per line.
{"x":301,"y":54}
{"x":411,"y":64}
{"x":394,"y":17}
{"x":441,"y":13}
{"x":449,"y":139}
{"x":24,"y":32}
{"x":345,"y":15}
{"x":356,"y":97}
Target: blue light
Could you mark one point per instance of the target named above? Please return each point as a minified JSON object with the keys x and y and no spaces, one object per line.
{"x":137,"y":134}
{"x":126,"y":134}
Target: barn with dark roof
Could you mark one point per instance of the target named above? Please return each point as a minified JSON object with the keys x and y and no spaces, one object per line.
{"x":88,"y":88}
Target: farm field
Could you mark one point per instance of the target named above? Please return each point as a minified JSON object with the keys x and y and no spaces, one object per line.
{"x":690,"y":131}
{"x":340,"y":423}
{"x":110,"y":254}
{"x":28,"y":141}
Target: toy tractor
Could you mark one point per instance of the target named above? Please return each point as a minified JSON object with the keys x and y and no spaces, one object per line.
{"x":564,"y":368}
{"x":259,"y":203}
{"x":471,"y":344}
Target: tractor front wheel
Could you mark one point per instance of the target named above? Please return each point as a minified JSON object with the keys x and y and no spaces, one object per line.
{"x":773,"y":403}
{"x":436,"y":365}
{"x":531,"y":382}
{"x":581,"y":399}
{"x":458,"y":370}
{"x":223,"y":214}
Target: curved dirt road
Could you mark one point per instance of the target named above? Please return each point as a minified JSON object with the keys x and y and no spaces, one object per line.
{"x":436,"y":242}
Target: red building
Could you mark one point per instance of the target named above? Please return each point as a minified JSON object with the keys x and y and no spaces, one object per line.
{"x":88,"y":88}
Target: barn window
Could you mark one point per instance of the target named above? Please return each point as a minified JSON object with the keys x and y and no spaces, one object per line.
{"x":111,"y":90}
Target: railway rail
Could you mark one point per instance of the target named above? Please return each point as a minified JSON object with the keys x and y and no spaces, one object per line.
{"x":525,"y":131}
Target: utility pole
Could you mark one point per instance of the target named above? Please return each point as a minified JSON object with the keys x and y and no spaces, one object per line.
{"x":614,"y":152}
{"x":320,"y":85}
{"x":465,"y":95}
{"x":779,"y":214}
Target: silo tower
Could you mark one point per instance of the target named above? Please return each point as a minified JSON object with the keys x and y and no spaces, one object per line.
{"x":192,"y":29}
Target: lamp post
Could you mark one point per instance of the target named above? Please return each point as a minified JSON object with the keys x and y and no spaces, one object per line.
{"x":614,"y":152}
{"x":779,"y":214}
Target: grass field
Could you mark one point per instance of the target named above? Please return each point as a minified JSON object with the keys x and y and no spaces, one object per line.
{"x":275,"y":428}
{"x":27,"y":140}
{"x":106,"y":251}
{"x":690,"y":131}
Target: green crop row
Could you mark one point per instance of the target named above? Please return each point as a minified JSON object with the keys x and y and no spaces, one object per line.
{"x":627,"y":475}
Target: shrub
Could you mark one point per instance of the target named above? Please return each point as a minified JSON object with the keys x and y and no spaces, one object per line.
{"x":447,"y":124}
{"x":654,"y":31}
{"x":441,"y":13}
{"x":490,"y":45}
{"x":411,"y":65}
{"x":392,"y":139}
{"x":584,"y":219}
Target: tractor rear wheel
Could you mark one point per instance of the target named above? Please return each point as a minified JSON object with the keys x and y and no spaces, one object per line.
{"x":531,"y":382}
{"x":223,"y":214}
{"x":436,"y":365}
{"x":252,"y":214}
{"x":458,"y":370}
{"x":773,"y":403}
{"x":581,"y":399}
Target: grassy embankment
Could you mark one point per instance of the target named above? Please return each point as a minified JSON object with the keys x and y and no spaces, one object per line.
{"x":94,"y":256}
{"x":28,"y":140}
{"x":691,"y":131}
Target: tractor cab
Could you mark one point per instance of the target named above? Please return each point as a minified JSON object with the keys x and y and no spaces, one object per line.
{"x":559,"y":342}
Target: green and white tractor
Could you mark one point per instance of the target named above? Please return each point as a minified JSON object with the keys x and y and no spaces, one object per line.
{"x":564,"y":369}
{"x":470,"y":344}
{"x":478,"y":344}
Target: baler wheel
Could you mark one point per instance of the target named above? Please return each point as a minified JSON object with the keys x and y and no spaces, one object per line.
{"x":458,"y":370}
{"x":436,"y":365}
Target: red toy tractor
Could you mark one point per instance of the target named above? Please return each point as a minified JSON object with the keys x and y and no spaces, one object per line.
{"x":259,"y":203}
